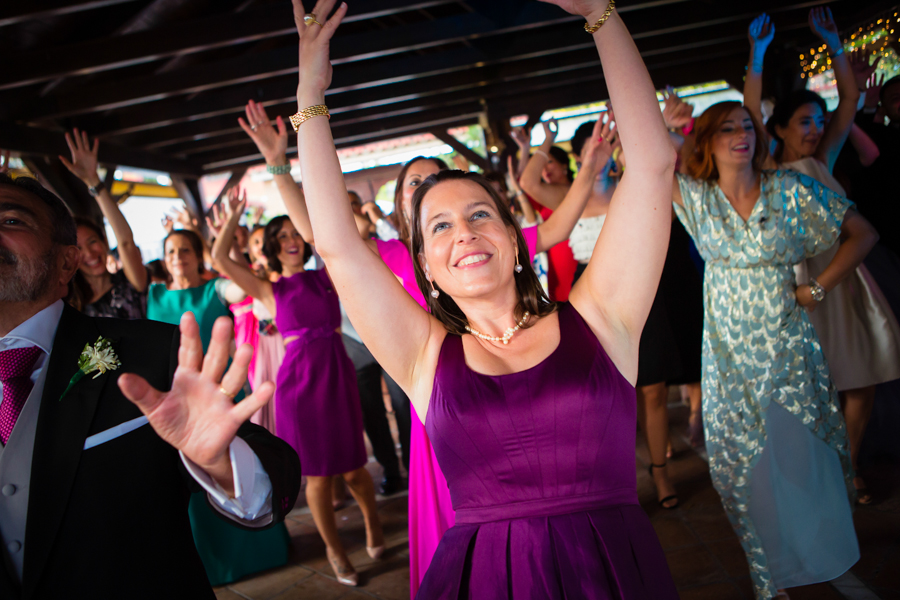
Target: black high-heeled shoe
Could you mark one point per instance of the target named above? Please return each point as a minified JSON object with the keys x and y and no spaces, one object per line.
{"x":674,"y":497}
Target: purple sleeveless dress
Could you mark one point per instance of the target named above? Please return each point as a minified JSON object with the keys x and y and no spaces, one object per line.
{"x":317,"y":408}
{"x":541,"y":471}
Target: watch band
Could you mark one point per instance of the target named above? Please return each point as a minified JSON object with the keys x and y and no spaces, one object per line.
{"x":816,"y":290}
{"x":94,"y":190}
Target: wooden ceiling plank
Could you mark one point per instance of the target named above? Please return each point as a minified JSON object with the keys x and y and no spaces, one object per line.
{"x":34,"y":141}
{"x":29,"y":11}
{"x":103,"y":54}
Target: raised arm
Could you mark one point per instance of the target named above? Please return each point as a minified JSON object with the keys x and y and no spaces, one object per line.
{"x":84,"y":167}
{"x":595,"y":154}
{"x":272,"y":144}
{"x":403,"y":338}
{"x":545,"y":194}
{"x":838,"y":127}
{"x":512,"y":182}
{"x":240,"y":275}
{"x":522,"y":138}
{"x":760,"y":32}
{"x":617,"y":289}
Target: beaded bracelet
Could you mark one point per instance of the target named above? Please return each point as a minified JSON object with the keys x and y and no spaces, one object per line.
{"x":319,"y":110}
{"x":279,"y":169}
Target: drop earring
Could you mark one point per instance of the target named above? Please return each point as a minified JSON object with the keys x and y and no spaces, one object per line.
{"x":434,"y":292}
{"x":518,"y":266}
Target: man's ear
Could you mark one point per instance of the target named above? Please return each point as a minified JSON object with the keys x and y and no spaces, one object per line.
{"x":68,"y":262}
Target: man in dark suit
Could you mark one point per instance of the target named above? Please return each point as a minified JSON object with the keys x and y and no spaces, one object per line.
{"x":93,"y":500}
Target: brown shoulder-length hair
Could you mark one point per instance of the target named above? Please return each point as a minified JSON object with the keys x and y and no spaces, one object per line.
{"x":531,"y":294}
{"x":402,"y":227}
{"x":700,"y":162}
{"x":196,"y":245}
{"x":271,"y":247}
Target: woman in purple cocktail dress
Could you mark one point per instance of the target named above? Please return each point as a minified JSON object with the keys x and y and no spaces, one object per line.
{"x":317,"y":408}
{"x":530,"y":406}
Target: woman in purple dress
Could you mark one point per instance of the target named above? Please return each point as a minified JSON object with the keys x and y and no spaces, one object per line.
{"x":317,"y":409}
{"x":531,"y":409}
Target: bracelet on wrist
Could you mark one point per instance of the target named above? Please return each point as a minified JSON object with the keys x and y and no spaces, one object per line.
{"x":279,"y":169}
{"x":542,"y":153}
{"x":838,"y":52}
{"x":816,"y":290}
{"x":606,"y":14}
{"x":319,"y":110}
{"x":94,"y":190}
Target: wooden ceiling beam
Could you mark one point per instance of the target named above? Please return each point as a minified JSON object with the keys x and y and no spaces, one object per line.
{"x":46,"y":143}
{"x":20,"y":12}
{"x":409,"y":97}
{"x":178,"y":39}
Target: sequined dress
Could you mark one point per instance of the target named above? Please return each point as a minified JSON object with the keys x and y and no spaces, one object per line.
{"x":777,"y":444}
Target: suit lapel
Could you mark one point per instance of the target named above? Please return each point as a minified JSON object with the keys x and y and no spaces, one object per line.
{"x":61,"y":430}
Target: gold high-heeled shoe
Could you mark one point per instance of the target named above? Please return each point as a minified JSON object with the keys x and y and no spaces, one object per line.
{"x":344,"y":575}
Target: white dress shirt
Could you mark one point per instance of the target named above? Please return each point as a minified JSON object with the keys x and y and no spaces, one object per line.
{"x":252,"y":501}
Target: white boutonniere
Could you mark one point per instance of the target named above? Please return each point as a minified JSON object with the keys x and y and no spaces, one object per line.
{"x":98,"y":358}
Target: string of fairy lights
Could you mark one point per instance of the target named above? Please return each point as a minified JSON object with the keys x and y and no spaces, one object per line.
{"x":876,"y":38}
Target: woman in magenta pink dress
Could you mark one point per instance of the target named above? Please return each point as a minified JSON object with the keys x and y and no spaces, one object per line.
{"x":530,"y":521}
{"x":431,"y":511}
{"x":317,"y":408}
{"x":430,"y":508}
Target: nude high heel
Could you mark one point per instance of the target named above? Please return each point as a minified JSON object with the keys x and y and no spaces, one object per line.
{"x":344,"y":575}
{"x":375,"y":553}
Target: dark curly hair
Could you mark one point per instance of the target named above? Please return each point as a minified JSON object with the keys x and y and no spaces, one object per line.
{"x":272,"y":247}
{"x":531,"y":294}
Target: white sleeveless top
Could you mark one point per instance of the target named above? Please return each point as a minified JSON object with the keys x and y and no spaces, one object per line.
{"x":584,"y":237}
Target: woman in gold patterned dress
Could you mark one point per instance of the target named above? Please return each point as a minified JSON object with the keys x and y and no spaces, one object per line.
{"x":775,"y":435}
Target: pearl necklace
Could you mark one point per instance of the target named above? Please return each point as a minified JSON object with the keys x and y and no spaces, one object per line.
{"x":506,"y":336}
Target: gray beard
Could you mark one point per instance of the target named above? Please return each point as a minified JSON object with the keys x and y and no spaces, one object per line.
{"x":29,"y":280}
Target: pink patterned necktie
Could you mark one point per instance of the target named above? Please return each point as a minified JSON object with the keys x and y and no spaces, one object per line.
{"x":16,"y":366}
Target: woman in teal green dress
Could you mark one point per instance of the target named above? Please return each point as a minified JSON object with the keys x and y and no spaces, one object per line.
{"x":228,"y":552}
{"x":777,"y":443}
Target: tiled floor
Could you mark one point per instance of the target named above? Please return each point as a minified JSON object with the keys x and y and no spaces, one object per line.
{"x":704,"y":555}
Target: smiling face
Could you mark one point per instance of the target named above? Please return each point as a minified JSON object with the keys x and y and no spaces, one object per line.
{"x":181,"y":260}
{"x":803,"y":132}
{"x":292,"y":246}
{"x":93,"y":253}
{"x":734,"y":143}
{"x":468,"y":250}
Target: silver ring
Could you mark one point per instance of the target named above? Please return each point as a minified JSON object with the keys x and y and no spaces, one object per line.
{"x":253,"y":127}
